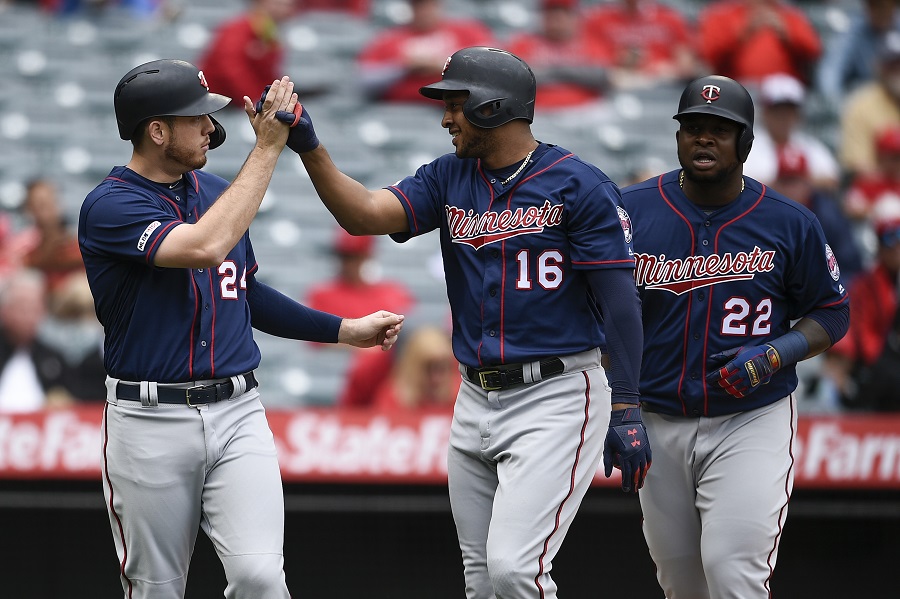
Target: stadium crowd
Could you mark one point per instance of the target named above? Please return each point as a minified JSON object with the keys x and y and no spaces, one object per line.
{"x":825,"y":77}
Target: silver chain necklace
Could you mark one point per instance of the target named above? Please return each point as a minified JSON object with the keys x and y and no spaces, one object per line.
{"x":518,"y":170}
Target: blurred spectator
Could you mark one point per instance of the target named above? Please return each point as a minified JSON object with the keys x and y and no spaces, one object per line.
{"x":13,"y":246}
{"x":869,"y":110}
{"x":883,"y":184}
{"x":651,"y":42}
{"x":55,"y":249}
{"x":781,"y":126}
{"x":424,"y":374}
{"x":77,"y":335}
{"x":851,"y":58}
{"x":569,"y":65}
{"x":873,"y":309}
{"x":246,"y":53}
{"x":400,"y":60}
{"x":166,"y":9}
{"x":352,"y":292}
{"x":794,"y":179}
{"x":357,"y":8}
{"x":749,"y":39}
{"x":32,"y":374}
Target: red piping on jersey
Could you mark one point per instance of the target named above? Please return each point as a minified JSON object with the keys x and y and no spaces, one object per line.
{"x":158,"y":238}
{"x":503,"y":304}
{"x":787,"y":500}
{"x":843,"y":299}
{"x":605,"y":262}
{"x":167,"y":227}
{"x":196,"y":182}
{"x":509,"y":198}
{"x":212,"y":334}
{"x":196,"y":289}
{"x":543,"y":170}
{"x":112,"y":509}
{"x":409,"y":205}
{"x":502,"y":280}
{"x":690,"y":299}
{"x":584,"y":424}
{"x":174,"y":205}
{"x":710,"y":304}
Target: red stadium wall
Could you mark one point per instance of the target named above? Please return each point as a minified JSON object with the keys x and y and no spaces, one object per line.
{"x":367,"y":514}
{"x":328,"y":446}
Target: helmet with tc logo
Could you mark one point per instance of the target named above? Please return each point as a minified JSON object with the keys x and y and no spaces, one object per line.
{"x":501,"y":86}
{"x":722,"y":97}
{"x":166,"y":88}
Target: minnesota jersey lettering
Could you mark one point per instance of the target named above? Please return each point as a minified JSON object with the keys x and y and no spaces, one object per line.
{"x":681,"y":275}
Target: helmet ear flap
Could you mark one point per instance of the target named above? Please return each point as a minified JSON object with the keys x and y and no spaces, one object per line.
{"x":217,"y":137}
{"x":744,"y":143}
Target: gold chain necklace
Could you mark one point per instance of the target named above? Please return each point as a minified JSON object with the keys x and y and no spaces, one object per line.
{"x":681,"y":181}
{"x":518,"y":170}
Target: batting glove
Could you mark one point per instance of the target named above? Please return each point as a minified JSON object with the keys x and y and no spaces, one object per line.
{"x":746,"y":369}
{"x":302,"y":137}
{"x":627,"y":448}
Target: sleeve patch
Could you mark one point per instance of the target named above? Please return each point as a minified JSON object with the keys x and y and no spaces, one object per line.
{"x":142,"y":242}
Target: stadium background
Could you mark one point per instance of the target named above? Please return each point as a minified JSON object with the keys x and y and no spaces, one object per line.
{"x":345,"y":540}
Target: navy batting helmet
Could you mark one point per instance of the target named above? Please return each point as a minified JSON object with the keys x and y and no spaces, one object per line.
{"x":495,"y":79}
{"x":722,"y":97}
{"x":166,"y":88}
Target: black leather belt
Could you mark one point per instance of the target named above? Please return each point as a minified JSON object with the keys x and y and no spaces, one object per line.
{"x":495,"y":378}
{"x":192,"y":396}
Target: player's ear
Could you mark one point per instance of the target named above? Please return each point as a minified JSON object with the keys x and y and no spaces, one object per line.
{"x":158,"y":131}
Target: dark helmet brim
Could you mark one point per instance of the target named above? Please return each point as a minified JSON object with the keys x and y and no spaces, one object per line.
{"x":714,"y":110}
{"x":208,"y":104}
{"x":435,"y":91}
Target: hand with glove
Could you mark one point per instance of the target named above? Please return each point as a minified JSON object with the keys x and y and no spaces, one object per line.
{"x":302,"y":137}
{"x":746,"y":368}
{"x":627,"y":448}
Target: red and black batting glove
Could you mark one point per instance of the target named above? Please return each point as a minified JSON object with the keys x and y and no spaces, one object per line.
{"x":746,"y":369}
{"x":627,"y":448}
{"x":302,"y":137}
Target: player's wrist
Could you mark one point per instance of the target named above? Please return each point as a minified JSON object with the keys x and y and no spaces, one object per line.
{"x":789,"y":349}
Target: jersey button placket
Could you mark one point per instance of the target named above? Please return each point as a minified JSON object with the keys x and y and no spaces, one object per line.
{"x":493,"y":273}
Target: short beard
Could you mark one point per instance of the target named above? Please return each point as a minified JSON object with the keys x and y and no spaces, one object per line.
{"x":706,"y":178}
{"x":177,"y":153}
{"x":480,"y":145}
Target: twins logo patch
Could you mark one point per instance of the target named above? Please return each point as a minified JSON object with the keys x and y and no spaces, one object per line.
{"x":832,"y":262}
{"x":142,"y":242}
{"x":711,"y":93}
{"x":625,"y":221}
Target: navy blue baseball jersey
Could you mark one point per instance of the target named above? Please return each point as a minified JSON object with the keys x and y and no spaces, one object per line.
{"x":718,"y":279}
{"x":164,"y":324}
{"x":512,"y":254}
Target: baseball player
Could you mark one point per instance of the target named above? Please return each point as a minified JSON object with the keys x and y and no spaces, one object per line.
{"x":533,"y":241}
{"x":724,"y":266}
{"x":172,"y":271}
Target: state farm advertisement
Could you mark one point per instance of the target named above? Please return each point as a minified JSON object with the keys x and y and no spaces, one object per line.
{"x":320,"y":445}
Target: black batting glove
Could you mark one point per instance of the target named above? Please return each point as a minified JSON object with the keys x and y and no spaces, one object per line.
{"x":302,"y":137}
{"x":627,"y":448}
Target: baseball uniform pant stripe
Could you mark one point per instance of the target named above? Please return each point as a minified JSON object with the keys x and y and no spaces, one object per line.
{"x":519,"y":463}
{"x":715,"y":501}
{"x":183,"y":479}
{"x":115,"y":521}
